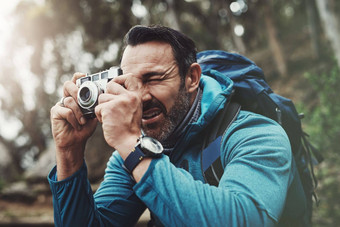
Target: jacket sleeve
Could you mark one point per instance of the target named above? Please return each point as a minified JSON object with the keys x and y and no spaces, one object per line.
{"x":257,"y":159}
{"x":114,"y":203}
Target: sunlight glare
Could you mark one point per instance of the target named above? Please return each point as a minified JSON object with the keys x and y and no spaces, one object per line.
{"x":6,"y":8}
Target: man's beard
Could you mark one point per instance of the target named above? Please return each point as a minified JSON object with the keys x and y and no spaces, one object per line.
{"x":161,"y":131}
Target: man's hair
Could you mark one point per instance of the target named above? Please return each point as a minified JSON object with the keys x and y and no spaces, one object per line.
{"x":183,"y":48}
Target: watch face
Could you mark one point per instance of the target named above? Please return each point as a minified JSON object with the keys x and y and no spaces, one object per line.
{"x":151,"y":145}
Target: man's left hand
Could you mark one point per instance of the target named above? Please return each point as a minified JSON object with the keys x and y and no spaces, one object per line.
{"x":120,"y":112}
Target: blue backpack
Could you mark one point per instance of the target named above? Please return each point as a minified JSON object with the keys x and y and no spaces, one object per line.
{"x":252,"y":93}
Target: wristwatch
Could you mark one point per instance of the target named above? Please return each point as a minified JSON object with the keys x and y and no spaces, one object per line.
{"x":145,"y":147}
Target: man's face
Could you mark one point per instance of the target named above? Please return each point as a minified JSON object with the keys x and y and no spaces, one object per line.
{"x":165,"y":99}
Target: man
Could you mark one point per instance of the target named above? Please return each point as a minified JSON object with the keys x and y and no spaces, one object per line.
{"x":163,"y":93}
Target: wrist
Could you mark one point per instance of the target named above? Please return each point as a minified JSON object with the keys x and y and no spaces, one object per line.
{"x":68,"y":162}
{"x":141,"y":169}
{"x":125,"y":148}
{"x":146,"y":147}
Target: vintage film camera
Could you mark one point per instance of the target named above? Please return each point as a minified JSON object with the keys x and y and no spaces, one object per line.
{"x":91,"y":86}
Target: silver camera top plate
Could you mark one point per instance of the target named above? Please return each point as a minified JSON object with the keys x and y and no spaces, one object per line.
{"x":105,"y":75}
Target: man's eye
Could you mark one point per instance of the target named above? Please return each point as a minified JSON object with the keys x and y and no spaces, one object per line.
{"x":154,"y":79}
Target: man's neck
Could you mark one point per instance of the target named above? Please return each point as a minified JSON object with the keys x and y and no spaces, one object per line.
{"x":192,"y":116}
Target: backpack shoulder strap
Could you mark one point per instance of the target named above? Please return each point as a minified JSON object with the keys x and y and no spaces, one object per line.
{"x":212,"y":168}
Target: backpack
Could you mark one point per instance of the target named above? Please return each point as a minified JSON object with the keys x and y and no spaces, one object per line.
{"x":252,"y":93}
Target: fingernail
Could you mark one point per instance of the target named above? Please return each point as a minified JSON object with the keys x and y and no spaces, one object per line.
{"x":82,"y":120}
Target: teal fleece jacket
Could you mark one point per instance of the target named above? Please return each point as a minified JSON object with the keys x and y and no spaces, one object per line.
{"x":259,"y":186}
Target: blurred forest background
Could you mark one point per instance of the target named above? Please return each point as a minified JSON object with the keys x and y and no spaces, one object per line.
{"x":295,"y":42}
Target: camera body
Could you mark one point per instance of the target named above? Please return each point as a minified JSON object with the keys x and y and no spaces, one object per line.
{"x":91,"y":86}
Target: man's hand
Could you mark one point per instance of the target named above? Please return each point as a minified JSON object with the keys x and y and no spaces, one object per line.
{"x":120,"y":112}
{"x":70,"y":130}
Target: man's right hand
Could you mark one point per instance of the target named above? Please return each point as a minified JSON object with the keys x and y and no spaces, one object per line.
{"x":70,"y":130}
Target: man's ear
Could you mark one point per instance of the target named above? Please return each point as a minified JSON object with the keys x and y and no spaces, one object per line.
{"x":193,"y":77}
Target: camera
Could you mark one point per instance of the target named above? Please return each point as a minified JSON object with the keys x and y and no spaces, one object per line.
{"x":91,"y":86}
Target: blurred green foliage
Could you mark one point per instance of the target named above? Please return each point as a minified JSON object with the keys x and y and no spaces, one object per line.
{"x":322,"y":123}
{"x":2,"y":184}
{"x":324,"y":120}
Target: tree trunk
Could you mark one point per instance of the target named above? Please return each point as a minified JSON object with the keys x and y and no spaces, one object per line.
{"x":171,"y":15}
{"x":274,"y":43}
{"x":313,"y":27}
{"x":330,"y":25}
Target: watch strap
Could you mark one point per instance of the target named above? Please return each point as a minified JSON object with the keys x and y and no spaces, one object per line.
{"x":133,"y":159}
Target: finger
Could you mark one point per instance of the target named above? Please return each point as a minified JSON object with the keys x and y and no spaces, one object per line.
{"x":103,"y":110}
{"x":66,"y":114}
{"x":71,"y":103}
{"x":76,"y":76}
{"x":97,"y":111}
{"x":70,"y":89}
{"x":105,"y":97}
{"x":121,"y":79}
{"x":61,"y":102}
{"x":129,"y":81}
{"x":114,"y":88}
{"x":133,"y":84}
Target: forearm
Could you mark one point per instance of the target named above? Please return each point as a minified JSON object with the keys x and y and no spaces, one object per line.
{"x":69,"y":161}
{"x":113,"y":204}
{"x":72,"y":199}
{"x":179,"y":200}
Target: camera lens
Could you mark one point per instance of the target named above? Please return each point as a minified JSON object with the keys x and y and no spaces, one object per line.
{"x":88,"y":95}
{"x":84,"y":94}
